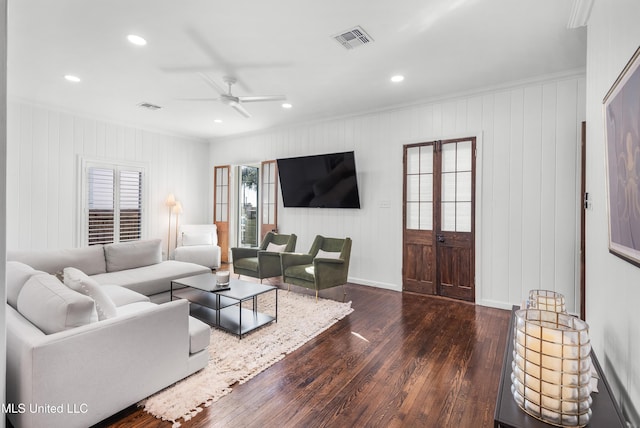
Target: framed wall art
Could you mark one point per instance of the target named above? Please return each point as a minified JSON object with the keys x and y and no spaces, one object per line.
{"x":622,"y":143}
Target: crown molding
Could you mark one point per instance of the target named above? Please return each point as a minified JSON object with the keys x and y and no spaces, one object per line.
{"x":580,"y":12}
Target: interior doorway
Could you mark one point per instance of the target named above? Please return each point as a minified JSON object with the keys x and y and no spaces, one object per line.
{"x":439,"y":218}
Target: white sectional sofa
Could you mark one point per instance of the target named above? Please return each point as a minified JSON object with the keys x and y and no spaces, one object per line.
{"x":136,"y":265}
{"x":81,"y":351}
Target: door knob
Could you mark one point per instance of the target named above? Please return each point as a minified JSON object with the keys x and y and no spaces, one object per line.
{"x":440,"y":238}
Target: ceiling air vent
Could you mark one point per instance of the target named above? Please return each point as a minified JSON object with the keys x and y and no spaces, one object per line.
{"x":149,"y":106}
{"x":353,"y":38}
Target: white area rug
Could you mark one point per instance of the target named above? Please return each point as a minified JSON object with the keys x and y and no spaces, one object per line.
{"x":300,"y":318}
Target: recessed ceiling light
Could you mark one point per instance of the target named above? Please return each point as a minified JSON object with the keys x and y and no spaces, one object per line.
{"x":71,"y":78}
{"x":286,"y":105}
{"x":217,"y":120}
{"x":397,"y":78}
{"x":136,"y":40}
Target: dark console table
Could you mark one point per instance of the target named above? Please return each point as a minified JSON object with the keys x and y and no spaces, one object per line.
{"x":606,"y":412}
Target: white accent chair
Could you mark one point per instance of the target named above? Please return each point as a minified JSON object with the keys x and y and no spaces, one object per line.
{"x":198,"y":243}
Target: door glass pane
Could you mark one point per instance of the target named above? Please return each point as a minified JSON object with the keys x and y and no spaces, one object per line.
{"x":449,"y":187}
{"x":426,"y":159}
{"x":426,"y":216}
{"x":225,"y":195}
{"x":413,"y":215}
{"x":272,"y":173}
{"x":413,"y":160}
{"x":272,"y":214}
{"x":448,"y":216}
{"x":464,"y":156}
{"x":449,"y":157}
{"x":463,"y":217}
{"x":463,"y":188}
{"x":426,"y":187}
{"x":413,"y":188}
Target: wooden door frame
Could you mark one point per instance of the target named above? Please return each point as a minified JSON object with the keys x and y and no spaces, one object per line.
{"x":415,"y":286}
{"x":222,"y":227}
{"x":583,"y":218}
{"x":475,"y":213}
{"x":264,"y":228}
{"x":438,"y":214}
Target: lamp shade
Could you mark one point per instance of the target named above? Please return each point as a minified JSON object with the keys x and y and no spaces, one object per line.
{"x":177,"y":208}
{"x":551,"y":368}
{"x":170,"y":201}
{"x":547,"y":301}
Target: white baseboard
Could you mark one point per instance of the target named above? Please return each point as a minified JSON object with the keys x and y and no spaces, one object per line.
{"x":385,"y":285}
{"x":495,"y":304}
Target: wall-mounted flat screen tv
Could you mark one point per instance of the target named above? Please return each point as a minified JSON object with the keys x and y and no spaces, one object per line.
{"x":320,"y":181}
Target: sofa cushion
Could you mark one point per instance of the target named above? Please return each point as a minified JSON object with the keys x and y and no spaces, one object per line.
{"x":89,"y":260}
{"x":197,"y":238}
{"x":248,"y":263}
{"x":123,"y":296}
{"x":304,"y":272}
{"x":17,"y":275}
{"x":199,"y":335}
{"x":134,"y":254}
{"x":153,"y":279}
{"x":80,"y":282}
{"x":51,"y":306}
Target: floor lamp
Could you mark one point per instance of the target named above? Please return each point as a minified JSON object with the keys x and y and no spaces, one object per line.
{"x":170,"y":202}
{"x":177,"y":210}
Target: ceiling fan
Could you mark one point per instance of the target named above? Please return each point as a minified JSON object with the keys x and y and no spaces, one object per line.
{"x":235,"y":102}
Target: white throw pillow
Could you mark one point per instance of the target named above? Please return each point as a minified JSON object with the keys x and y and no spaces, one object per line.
{"x":189,"y":239}
{"x":79,"y":281}
{"x":328,"y":254}
{"x":276,"y":248}
{"x":53,"y":307}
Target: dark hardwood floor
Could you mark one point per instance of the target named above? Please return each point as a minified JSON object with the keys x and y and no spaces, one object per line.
{"x":399,"y":360}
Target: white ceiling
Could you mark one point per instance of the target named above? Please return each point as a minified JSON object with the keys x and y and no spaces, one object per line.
{"x":275,"y":47}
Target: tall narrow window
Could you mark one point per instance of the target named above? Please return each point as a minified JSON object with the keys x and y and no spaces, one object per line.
{"x":113,"y":208}
{"x":248,"y":206}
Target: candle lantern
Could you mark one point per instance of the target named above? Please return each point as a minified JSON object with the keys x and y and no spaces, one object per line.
{"x":547,"y":300}
{"x":551,"y":368}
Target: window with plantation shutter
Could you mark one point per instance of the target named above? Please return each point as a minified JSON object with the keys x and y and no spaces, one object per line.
{"x":113,"y":203}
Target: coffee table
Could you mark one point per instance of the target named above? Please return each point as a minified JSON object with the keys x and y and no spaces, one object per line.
{"x":223,"y":309}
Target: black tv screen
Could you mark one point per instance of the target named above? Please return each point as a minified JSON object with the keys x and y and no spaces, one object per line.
{"x":320,"y":181}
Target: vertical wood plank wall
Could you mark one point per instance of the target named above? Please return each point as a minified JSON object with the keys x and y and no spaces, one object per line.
{"x":43,"y":146}
{"x":528,"y":184}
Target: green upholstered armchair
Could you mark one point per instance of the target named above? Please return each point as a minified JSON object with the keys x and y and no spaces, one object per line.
{"x":260,"y":262}
{"x":325,"y":266}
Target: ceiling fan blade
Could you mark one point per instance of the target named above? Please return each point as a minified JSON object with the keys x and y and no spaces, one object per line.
{"x":259,"y":98}
{"x":191,"y":69}
{"x":209,"y":81}
{"x":198,"y":99}
{"x":237,"y":107}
